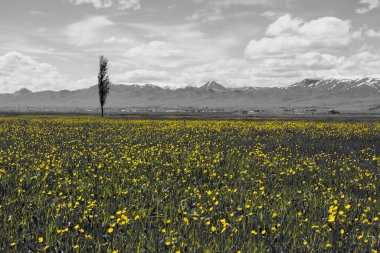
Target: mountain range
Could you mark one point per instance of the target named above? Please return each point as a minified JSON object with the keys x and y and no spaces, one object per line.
{"x":347,"y":94}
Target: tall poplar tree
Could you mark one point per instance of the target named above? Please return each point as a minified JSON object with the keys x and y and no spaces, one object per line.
{"x":103,"y":81}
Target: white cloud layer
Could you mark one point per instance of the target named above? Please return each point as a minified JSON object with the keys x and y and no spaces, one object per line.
{"x":85,"y":32}
{"x":113,"y":40}
{"x":371,"y":4}
{"x":372,"y":33}
{"x":289,"y":35}
{"x":141,"y":76}
{"x":154,"y":49}
{"x":20,"y":71}
{"x":121,"y":4}
{"x":229,"y":3}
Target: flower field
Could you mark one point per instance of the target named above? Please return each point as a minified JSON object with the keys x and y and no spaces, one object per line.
{"x":90,"y":185}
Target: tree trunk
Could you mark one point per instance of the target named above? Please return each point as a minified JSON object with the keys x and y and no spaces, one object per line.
{"x":102,"y":112}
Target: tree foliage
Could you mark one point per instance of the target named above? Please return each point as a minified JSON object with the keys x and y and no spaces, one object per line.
{"x":103,"y":82}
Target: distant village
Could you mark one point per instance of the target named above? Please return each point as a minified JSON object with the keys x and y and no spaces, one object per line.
{"x":180,"y":110}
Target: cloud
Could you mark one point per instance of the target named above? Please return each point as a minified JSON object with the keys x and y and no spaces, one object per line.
{"x":289,"y":35}
{"x":207,"y":15}
{"x":372,"y":33}
{"x":268,"y":14}
{"x":226,"y":71}
{"x":154,"y":49}
{"x":371,"y":4}
{"x":85,"y":32}
{"x":141,"y":76}
{"x":310,"y":60}
{"x":172,"y":32}
{"x":365,"y":31}
{"x":121,"y":4}
{"x":229,"y":3}
{"x":21,"y":71}
{"x":294,"y":49}
{"x":114,"y":40}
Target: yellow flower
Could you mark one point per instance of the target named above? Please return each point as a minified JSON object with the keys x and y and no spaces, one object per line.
{"x":186,"y":220}
{"x":331,"y":218}
{"x":263,"y":232}
{"x":110,"y":230}
{"x":213,"y":229}
{"x":342,"y":231}
{"x":40,"y":239}
{"x":254,"y":232}
{"x":328,"y":245}
{"x":224,"y":222}
{"x":137,"y":217}
{"x":76,"y":246}
{"x":348,"y":206}
{"x":124,"y":218}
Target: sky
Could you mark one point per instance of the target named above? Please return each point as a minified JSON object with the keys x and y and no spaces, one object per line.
{"x":56,"y":44}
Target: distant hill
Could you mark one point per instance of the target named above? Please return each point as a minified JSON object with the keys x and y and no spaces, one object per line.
{"x":359,"y":94}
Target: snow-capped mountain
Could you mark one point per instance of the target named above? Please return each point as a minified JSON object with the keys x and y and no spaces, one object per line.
{"x":212,"y":85}
{"x":361,"y":93}
{"x":340,"y":84}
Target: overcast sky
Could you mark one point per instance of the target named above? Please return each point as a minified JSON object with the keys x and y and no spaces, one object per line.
{"x":55,"y":44}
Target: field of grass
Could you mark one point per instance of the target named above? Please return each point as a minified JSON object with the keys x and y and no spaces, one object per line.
{"x":92,"y":185}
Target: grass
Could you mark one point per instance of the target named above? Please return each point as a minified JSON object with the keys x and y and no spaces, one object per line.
{"x":85,"y":184}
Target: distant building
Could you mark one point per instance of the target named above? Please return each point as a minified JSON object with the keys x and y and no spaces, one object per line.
{"x":333,"y":112}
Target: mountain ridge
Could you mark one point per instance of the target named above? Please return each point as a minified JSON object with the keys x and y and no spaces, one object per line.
{"x":358,"y":94}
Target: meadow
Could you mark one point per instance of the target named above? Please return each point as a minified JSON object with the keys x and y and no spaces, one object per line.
{"x":77,"y":184}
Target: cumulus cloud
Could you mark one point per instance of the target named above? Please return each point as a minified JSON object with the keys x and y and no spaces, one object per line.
{"x":113,"y":40}
{"x":21,"y":71}
{"x":293,"y":48}
{"x":154,"y":49}
{"x":362,"y":63}
{"x":85,"y":32}
{"x":372,"y":33}
{"x":289,"y":35}
{"x":141,"y":76}
{"x":121,"y":4}
{"x":371,"y":4}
